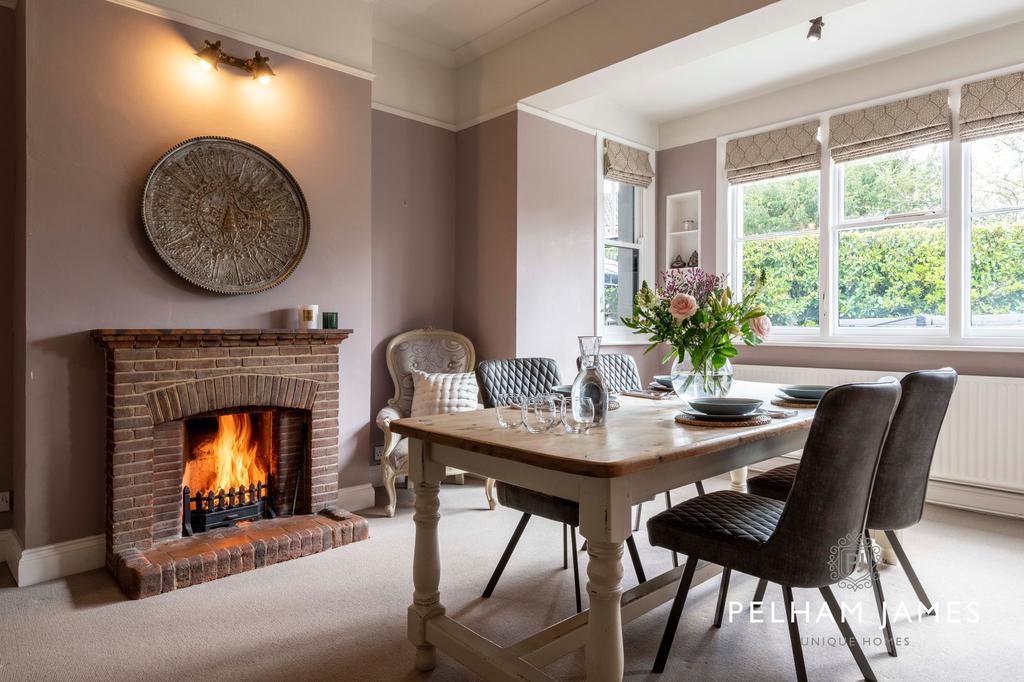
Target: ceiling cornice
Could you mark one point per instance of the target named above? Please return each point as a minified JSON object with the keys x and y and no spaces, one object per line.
{"x":205,"y":25}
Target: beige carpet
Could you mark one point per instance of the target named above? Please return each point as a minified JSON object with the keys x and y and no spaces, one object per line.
{"x":341,"y":615}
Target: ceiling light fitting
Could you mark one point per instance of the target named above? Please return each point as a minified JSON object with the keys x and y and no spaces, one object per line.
{"x":211,"y":56}
{"x":814,"y":33}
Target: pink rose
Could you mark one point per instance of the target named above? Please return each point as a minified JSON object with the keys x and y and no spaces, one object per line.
{"x":683,"y":306}
{"x":761,"y":326}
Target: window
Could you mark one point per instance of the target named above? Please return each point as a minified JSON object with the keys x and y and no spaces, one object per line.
{"x":777,"y":233}
{"x":621,"y":220}
{"x":891,"y":240}
{"x":995,"y":221}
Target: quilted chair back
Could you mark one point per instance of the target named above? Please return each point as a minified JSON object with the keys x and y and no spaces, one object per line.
{"x":434,"y":351}
{"x":815,"y":542}
{"x":902,"y":479}
{"x":525,"y":376}
{"x":619,"y":371}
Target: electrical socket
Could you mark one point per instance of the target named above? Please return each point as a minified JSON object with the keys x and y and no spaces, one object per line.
{"x":5,"y":500}
{"x":378,"y":450}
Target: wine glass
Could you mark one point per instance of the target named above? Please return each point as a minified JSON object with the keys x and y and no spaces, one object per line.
{"x":510,"y":410}
{"x":541,"y":413}
{"x":578,"y":415}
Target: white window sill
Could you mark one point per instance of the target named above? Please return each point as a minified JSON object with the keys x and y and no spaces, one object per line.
{"x":975,"y":346}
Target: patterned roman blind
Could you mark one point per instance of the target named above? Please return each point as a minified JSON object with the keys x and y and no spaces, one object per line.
{"x":627,"y":164}
{"x":992,"y":106}
{"x":793,"y":149}
{"x":890,"y":127}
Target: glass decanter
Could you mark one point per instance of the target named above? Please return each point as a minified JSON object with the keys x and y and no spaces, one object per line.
{"x":589,"y":382}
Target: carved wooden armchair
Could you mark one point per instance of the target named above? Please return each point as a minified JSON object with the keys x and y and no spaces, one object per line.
{"x":428,"y":350}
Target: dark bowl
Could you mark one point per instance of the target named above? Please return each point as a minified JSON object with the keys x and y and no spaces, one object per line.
{"x":565,"y":390}
{"x":664,"y":379}
{"x":725,"y":406}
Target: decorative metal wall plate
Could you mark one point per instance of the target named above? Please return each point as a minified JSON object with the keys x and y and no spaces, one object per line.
{"x":225,"y":215}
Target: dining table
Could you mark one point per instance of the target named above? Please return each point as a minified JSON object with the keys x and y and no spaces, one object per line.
{"x":639,"y":451}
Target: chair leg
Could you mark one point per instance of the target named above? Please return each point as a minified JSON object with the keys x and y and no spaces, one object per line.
{"x":565,"y":546}
{"x":847,"y":632}
{"x":492,"y":501}
{"x":389,"y":487}
{"x":636,"y":523}
{"x":723,"y":593}
{"x":794,"y":635}
{"x":922,"y":596}
{"x":762,"y":587}
{"x":673,"y":615}
{"x":668,"y":505}
{"x":506,"y":555}
{"x":700,"y":487}
{"x":876,"y":586}
{"x":635,"y":556}
{"x":576,"y":569}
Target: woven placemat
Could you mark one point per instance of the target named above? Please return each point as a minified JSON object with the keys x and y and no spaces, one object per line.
{"x":780,"y":402}
{"x":754,"y":421}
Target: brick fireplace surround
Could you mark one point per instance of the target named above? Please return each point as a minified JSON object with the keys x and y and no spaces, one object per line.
{"x":157,"y":378}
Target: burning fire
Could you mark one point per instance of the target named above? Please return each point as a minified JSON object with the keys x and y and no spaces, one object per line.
{"x":237,"y":455}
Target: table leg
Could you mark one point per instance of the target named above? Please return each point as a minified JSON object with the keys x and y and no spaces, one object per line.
{"x":605,"y":523}
{"x":739,"y":479}
{"x":426,"y":565}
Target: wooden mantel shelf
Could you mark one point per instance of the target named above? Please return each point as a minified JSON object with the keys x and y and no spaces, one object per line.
{"x":192,"y":338}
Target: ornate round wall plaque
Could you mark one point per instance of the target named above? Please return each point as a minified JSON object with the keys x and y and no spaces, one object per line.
{"x":225,"y":215}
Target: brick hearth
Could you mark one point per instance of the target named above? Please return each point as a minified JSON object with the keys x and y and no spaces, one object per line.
{"x":158,"y":378}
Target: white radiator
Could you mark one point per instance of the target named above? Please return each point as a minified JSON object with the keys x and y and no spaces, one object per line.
{"x":979,"y":459}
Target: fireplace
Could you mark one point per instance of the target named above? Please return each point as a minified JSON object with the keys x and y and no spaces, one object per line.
{"x":222,"y":453}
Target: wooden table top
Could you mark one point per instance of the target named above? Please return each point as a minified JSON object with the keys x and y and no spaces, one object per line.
{"x":639,"y":435}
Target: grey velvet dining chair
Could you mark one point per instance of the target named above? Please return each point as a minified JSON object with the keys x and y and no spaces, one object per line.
{"x":789,"y":542}
{"x":533,"y":376}
{"x":901,"y":483}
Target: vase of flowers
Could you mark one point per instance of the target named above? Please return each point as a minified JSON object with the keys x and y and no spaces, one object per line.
{"x":695,"y":313}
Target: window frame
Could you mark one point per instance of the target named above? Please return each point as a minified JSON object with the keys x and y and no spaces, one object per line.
{"x":645,"y":234}
{"x":737,"y":240}
{"x":969,"y":330}
{"x":958,"y":335}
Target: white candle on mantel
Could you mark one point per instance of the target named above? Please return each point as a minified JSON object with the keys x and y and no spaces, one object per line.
{"x":309,"y":317}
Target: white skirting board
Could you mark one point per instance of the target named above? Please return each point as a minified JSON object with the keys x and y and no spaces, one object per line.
{"x":39,"y":564}
{"x":355,"y":497}
{"x":979,"y":458}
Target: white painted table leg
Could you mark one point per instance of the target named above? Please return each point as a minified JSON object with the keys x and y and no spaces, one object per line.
{"x":888,"y":553}
{"x":739,"y":479}
{"x":426,"y":565}
{"x":605,"y":523}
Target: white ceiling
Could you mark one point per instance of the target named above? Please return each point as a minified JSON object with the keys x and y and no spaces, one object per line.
{"x":466,"y":28}
{"x":861,"y":33}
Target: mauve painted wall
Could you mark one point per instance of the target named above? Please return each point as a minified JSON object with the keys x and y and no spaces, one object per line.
{"x":96,"y":122}
{"x":685,"y":169}
{"x":413,"y":237}
{"x":8,"y":179}
{"x":693,"y":166}
{"x":485,"y":236}
{"x":554,"y":240}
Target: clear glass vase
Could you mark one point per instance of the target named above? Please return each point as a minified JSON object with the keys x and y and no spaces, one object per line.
{"x":704,"y":382}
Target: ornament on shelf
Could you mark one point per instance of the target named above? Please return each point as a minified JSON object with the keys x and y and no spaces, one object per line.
{"x":694,"y":260}
{"x":678,"y":262}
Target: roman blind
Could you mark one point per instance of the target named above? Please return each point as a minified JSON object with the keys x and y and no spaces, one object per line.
{"x":891,"y":127}
{"x":627,"y":164}
{"x":992,"y":106}
{"x":793,"y":149}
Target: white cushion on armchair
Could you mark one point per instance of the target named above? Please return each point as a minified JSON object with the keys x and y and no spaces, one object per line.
{"x":443,"y":393}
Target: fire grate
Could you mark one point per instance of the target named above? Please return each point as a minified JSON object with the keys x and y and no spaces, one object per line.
{"x":206,"y":511}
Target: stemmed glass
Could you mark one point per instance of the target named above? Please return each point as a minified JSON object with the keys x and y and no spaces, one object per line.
{"x":541,"y":413}
{"x":578,"y":414}
{"x":511,"y":410}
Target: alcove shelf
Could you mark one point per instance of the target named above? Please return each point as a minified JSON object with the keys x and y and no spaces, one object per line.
{"x":682,"y":227}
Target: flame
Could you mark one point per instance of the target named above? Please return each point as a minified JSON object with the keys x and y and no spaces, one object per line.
{"x":232,"y":457}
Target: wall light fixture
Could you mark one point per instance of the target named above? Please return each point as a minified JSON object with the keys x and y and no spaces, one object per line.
{"x":211,"y":56}
{"x":814,"y":33}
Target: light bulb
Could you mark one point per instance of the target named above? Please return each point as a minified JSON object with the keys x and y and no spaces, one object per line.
{"x":264,"y":80}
